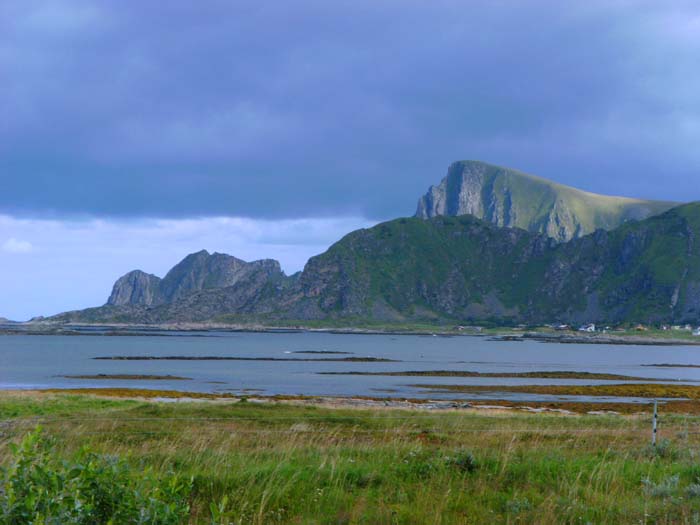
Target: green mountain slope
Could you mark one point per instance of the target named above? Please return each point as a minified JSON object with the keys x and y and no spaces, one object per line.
{"x":463,"y":269}
{"x":510,"y":198}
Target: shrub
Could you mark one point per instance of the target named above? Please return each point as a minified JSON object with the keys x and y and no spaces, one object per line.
{"x":463,"y":461}
{"x":664,"y":489}
{"x":417,"y":465}
{"x":663,"y":450}
{"x":693,"y":490}
{"x":39,"y":488}
{"x":517,"y":505}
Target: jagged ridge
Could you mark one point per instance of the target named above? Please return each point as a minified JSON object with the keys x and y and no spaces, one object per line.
{"x":463,"y":269}
{"x":196,"y":272}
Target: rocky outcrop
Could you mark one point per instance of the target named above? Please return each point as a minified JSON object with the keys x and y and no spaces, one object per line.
{"x":136,"y":288}
{"x":509,"y":198}
{"x":195,"y":273}
{"x":203,"y":271}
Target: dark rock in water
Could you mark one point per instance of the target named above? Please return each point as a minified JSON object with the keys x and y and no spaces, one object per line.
{"x":313,"y":352}
{"x":129,"y":377}
{"x":233,"y":358}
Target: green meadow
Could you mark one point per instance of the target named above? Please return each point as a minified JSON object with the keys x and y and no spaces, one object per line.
{"x":232,"y":461}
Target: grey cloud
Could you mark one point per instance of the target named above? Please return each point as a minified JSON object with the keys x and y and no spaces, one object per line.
{"x":310,"y":108}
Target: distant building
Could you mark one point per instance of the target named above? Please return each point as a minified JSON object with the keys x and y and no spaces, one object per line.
{"x":469,"y":328}
{"x":696,"y":333}
{"x":587,"y":328}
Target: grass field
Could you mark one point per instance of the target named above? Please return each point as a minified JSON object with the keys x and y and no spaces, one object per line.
{"x":270,"y":462}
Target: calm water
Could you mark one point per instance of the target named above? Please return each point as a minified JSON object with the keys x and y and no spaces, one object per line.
{"x":40,"y":361}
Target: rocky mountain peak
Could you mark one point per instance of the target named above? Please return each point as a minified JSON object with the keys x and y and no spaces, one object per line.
{"x":196,"y":272}
{"x":510,"y":198}
{"x":136,"y":288}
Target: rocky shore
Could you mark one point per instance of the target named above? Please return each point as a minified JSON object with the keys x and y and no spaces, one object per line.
{"x":201,"y":329}
{"x":599,"y":338}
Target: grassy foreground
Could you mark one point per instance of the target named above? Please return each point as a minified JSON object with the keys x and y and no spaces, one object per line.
{"x":286,"y":463}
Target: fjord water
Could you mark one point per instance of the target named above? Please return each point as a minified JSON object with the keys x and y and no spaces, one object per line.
{"x":36,"y":362}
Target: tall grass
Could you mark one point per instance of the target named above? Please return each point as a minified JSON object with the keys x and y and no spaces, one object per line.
{"x":281,"y":463}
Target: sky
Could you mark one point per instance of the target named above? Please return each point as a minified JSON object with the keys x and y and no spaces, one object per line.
{"x":133,"y":133}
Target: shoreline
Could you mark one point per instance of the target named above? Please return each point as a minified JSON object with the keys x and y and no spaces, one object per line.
{"x":112,"y":329}
{"x":572,"y":408}
{"x":600,"y":339}
{"x":196,"y":329}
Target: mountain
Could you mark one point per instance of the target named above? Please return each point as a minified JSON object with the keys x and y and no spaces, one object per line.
{"x":510,"y":198}
{"x":136,"y":287}
{"x":454,"y":270}
{"x":465,"y":269}
{"x":196,"y":272}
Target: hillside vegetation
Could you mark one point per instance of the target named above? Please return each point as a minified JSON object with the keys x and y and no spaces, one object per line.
{"x":464,"y":270}
{"x":508,"y":197}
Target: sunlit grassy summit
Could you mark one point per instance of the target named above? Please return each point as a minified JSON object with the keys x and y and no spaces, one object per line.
{"x":510,"y":198}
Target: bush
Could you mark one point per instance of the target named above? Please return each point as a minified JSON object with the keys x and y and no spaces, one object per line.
{"x":664,"y":489}
{"x":663,"y":450}
{"x":517,"y":505}
{"x":693,"y":490}
{"x":40,"y":489}
{"x":463,"y":461}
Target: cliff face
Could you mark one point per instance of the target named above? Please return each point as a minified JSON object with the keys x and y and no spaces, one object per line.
{"x":134,"y":288}
{"x":196,"y":272}
{"x":202,"y":271}
{"x":510,"y":198}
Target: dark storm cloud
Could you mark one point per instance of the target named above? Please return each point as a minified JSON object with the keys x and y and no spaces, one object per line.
{"x":313,"y":108}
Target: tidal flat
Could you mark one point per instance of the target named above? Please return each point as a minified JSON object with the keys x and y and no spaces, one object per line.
{"x":632,"y":390}
{"x":129,"y":377}
{"x":542,"y":374}
{"x":231,"y":358}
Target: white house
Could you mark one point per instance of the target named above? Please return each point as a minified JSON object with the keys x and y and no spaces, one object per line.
{"x":696,"y":332}
{"x":587,"y":328}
